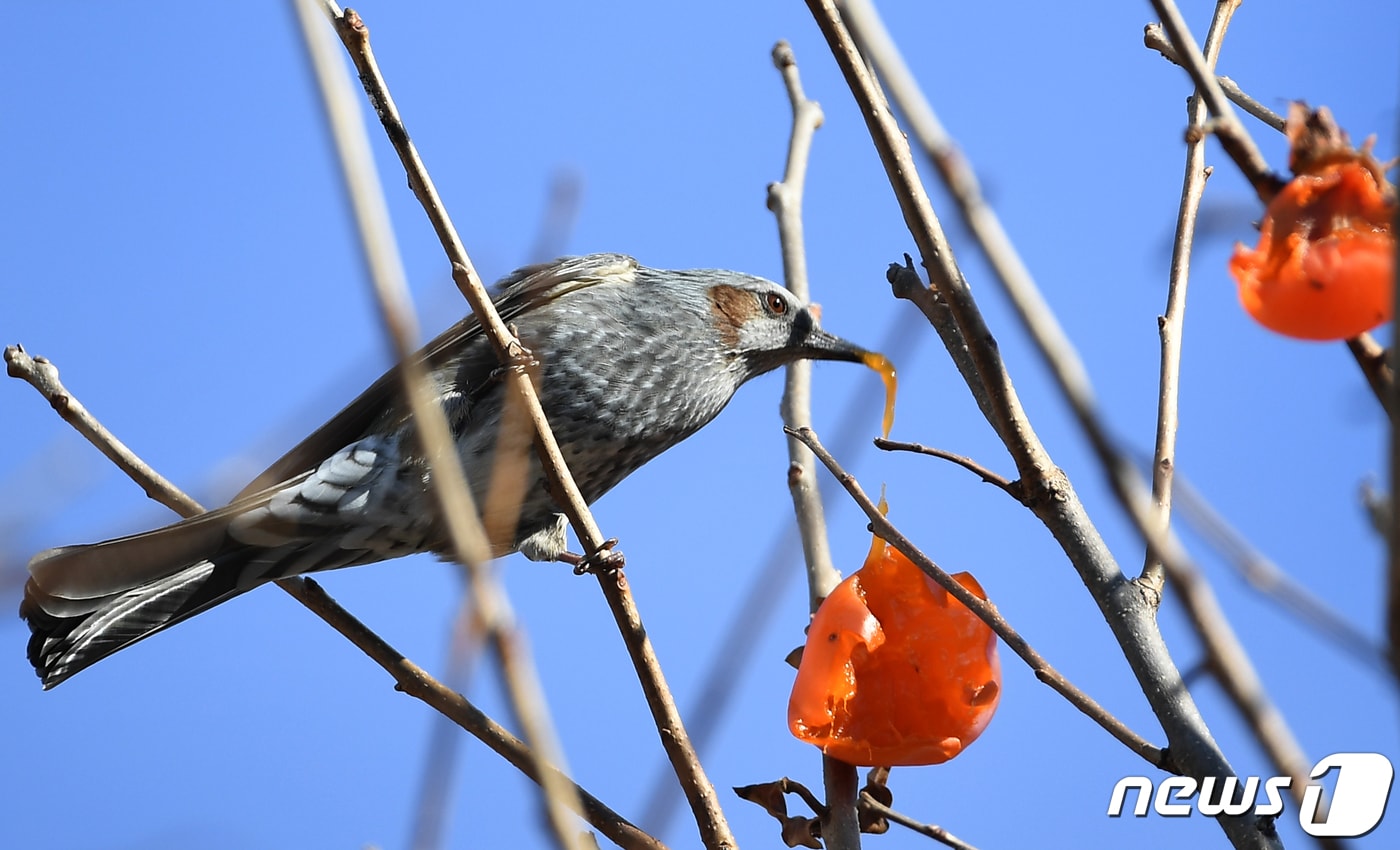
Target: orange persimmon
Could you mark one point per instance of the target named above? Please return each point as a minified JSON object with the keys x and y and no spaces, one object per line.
{"x":1324,"y":268}
{"x":895,"y":671}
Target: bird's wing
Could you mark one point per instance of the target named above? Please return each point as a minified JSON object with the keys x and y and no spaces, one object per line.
{"x":529,"y":287}
{"x":523,"y":290}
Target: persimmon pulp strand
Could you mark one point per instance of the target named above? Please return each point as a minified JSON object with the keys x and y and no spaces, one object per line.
{"x":881,"y":364}
{"x":896,"y":671}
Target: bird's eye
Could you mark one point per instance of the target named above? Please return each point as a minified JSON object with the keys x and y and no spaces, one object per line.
{"x":776,"y":304}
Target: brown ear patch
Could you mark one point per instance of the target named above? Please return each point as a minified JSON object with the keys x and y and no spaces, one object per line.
{"x":733,"y":307}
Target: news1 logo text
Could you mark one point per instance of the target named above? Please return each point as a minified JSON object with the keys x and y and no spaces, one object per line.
{"x":1357,"y":805}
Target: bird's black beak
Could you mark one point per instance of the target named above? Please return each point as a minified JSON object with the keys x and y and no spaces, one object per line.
{"x":817,"y":344}
{"x":820,"y":345}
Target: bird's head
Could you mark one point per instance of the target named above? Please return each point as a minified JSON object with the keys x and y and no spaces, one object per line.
{"x":767,"y":326}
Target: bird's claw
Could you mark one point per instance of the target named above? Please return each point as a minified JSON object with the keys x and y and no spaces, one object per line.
{"x":604,"y":559}
{"x":518,"y":357}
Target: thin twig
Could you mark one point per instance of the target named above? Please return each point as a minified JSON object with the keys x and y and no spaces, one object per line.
{"x":465,"y":638}
{"x":985,"y":611}
{"x":561,"y":212}
{"x":937,"y":833}
{"x":1035,"y":314}
{"x":43,"y":376}
{"x":1372,"y":359}
{"x":447,"y":480}
{"x":1271,"y":582}
{"x":444,"y":744}
{"x":1156,"y":39}
{"x":724,"y":674}
{"x":1226,"y":654}
{"x":355,"y":35}
{"x":792,"y":786}
{"x":409,"y":677}
{"x":1172,"y":322}
{"x":949,"y":305}
{"x":704,"y":801}
{"x":840,"y":824}
{"x":416,"y":682}
{"x":1012,"y":488}
{"x":1128,"y":608}
{"x":1236,"y":674}
{"x":1234,"y":138}
{"x":785,"y":201}
{"x":734,"y":652}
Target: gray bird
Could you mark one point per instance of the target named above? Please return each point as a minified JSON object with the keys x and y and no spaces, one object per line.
{"x":632,"y":360}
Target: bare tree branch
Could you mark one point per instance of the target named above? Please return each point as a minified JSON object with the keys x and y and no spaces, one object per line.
{"x":1227,"y":659}
{"x":1275,"y":585}
{"x":1128,"y":608}
{"x":840,"y":825}
{"x":444,"y":744}
{"x":464,"y":638}
{"x":561,"y":211}
{"x":1226,"y":126}
{"x":937,"y":833}
{"x":1226,"y":655}
{"x":1156,"y":39}
{"x":714,"y":829}
{"x":785,"y":200}
{"x":1172,"y":322}
{"x":1372,"y":359}
{"x":43,"y":376}
{"x":1011,"y":488}
{"x":416,"y":682}
{"x":409,"y":677}
{"x":447,"y":479}
{"x":1035,"y":314}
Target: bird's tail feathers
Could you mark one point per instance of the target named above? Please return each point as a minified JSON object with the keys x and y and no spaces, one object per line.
{"x":104,"y":569}
{"x":84,"y":603}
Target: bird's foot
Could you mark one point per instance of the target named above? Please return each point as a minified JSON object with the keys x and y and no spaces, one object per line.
{"x":520,"y":358}
{"x":604,"y":559}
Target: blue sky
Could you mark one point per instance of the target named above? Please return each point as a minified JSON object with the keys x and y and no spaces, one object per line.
{"x":176,"y":240}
